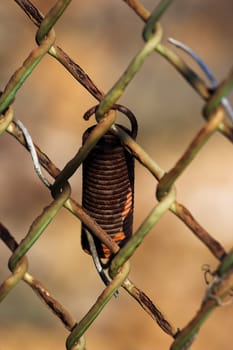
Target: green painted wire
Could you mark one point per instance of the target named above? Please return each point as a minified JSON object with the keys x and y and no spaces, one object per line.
{"x":223,"y":90}
{"x":154,"y":17}
{"x":129,"y":248}
{"x":95,"y":310}
{"x":100,"y":129}
{"x":51,"y":18}
{"x":6,"y":119}
{"x":226,"y":265}
{"x":16,"y":276}
{"x":119,"y":87}
{"x":19,"y":77}
{"x":38,"y":226}
{"x":45,"y":38}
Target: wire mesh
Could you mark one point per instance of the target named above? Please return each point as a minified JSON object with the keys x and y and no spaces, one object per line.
{"x":217,"y":118}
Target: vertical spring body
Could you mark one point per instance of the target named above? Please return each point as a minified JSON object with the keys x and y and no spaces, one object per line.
{"x":108,"y":190}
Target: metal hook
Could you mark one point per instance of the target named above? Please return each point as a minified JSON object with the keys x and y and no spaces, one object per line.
{"x":206,"y":70}
{"x":207,"y":273}
{"x":126,"y":111}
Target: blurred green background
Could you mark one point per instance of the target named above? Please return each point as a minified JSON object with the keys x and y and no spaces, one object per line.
{"x":102,"y":37}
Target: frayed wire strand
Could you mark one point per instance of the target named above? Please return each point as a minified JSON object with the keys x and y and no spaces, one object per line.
{"x":33,"y":153}
{"x":206,"y":70}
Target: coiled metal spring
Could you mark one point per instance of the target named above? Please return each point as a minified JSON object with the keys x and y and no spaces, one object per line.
{"x":108,"y":187}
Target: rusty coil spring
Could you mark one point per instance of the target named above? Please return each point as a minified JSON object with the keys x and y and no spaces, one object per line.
{"x":108,"y":188}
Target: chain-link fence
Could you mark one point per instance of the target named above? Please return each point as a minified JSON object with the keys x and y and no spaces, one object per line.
{"x":98,"y":218}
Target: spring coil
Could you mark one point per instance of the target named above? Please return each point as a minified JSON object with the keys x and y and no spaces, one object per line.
{"x":108,"y":189}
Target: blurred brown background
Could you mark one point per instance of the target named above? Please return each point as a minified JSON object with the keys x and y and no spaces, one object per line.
{"x":102,"y":37}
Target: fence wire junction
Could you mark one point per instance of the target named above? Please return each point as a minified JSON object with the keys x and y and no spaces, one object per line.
{"x":218,"y":118}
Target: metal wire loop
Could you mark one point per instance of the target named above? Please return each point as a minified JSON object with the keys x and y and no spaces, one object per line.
{"x":126,"y":111}
{"x":208,"y":274}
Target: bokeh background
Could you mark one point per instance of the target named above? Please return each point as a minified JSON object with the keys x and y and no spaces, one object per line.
{"x":102,"y":37}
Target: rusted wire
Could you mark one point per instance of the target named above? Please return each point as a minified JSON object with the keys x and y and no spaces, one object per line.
{"x":117,"y":251}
